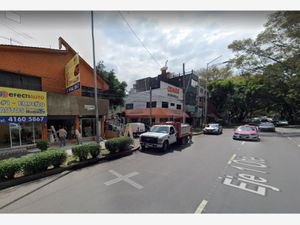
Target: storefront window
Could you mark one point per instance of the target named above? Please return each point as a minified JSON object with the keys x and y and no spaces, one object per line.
{"x":88,"y":127}
{"x":38,"y":131}
{"x":4,"y":136}
{"x":18,"y":134}
{"x":27,"y":137}
{"x":15,"y":134}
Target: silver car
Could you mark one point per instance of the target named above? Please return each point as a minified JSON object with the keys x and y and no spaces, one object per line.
{"x":213,"y":128}
{"x":266,"y":126}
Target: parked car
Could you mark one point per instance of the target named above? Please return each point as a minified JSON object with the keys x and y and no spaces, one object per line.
{"x":162,"y":135}
{"x":281,"y":123}
{"x":213,"y":128}
{"x":246,"y":132}
{"x":266,"y":126}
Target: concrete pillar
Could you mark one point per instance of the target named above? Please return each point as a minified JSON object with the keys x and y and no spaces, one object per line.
{"x":44,"y":132}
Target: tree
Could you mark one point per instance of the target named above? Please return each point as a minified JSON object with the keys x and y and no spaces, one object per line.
{"x":215,"y":73}
{"x":117,"y":89}
{"x":273,"y":57}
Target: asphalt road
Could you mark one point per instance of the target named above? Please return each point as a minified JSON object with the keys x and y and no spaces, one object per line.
{"x":214,"y":174}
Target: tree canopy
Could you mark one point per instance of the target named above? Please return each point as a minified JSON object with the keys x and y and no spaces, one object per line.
{"x":117,"y":89}
{"x":270,"y":72}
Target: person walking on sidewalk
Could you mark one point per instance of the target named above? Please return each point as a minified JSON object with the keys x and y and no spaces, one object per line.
{"x":62,"y":134}
{"x":78,"y":137}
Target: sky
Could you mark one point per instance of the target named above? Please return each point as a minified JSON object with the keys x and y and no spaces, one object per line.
{"x":136,"y":44}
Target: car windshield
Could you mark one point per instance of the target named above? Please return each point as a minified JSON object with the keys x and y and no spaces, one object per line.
{"x":246,"y":129}
{"x":213,"y":125}
{"x":160,"y":129}
{"x":266,"y":124}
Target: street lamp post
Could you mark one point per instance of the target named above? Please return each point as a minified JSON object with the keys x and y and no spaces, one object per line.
{"x":206,"y":81}
{"x":95,"y":81}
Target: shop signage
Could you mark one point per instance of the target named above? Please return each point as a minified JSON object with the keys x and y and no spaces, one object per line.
{"x":72,"y":74}
{"x":18,"y":105}
{"x":170,"y":91}
{"x":89,"y":107}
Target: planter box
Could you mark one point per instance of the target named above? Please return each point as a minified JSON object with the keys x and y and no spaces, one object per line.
{"x":118,"y":155}
{"x":25,"y":179}
{"x":74,"y":166}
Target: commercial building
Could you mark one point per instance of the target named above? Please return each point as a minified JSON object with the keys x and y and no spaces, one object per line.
{"x":166,"y":101}
{"x":41,"y":88}
{"x":188,"y":84}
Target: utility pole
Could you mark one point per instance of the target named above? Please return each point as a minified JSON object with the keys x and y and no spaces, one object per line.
{"x":95,"y":81}
{"x":206,"y":81}
{"x":150,"y":106}
{"x":183,"y":92}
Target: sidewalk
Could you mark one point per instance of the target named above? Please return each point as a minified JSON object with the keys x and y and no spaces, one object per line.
{"x":69,"y":146}
{"x":12,"y":153}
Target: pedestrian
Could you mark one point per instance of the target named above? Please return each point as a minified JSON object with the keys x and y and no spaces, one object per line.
{"x":78,"y":137}
{"x":62,"y":134}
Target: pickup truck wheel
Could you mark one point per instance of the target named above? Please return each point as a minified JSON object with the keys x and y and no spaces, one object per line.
{"x":165,"y":146}
{"x":188,"y":139}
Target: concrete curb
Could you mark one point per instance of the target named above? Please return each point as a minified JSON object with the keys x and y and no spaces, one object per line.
{"x":196,"y":134}
{"x":75,"y":166}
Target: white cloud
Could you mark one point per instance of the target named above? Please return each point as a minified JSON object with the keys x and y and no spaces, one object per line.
{"x":193,"y":38}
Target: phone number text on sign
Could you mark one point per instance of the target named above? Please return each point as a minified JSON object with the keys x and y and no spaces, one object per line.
{"x":22,"y":119}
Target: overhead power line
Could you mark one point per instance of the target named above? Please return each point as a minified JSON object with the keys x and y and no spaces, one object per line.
{"x":134,"y":33}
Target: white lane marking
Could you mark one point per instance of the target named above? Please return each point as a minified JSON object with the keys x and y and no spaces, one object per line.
{"x":289,"y":138}
{"x":201,"y":206}
{"x":299,"y":146}
{"x":243,"y":169}
{"x":243,"y":142}
{"x":232,"y":158}
{"x":124,"y":178}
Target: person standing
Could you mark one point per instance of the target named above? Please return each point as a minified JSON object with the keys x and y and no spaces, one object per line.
{"x":78,"y":137}
{"x":62,"y":134}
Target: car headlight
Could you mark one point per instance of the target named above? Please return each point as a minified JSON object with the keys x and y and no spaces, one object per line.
{"x":160,"y":140}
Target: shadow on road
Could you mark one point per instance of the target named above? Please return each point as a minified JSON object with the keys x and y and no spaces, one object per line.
{"x":159,"y":152}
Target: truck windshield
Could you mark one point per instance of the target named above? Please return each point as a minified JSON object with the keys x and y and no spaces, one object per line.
{"x":158,"y":129}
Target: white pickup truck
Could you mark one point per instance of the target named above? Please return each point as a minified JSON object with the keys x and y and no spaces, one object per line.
{"x":164,"y":134}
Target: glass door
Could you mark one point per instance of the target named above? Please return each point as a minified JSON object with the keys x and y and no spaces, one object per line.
{"x":15,"y":134}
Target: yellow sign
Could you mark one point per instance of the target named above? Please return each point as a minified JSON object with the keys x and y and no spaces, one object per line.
{"x":72,"y":74}
{"x":18,"y":105}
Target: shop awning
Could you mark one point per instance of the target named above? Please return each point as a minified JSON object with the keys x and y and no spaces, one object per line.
{"x":156,"y":112}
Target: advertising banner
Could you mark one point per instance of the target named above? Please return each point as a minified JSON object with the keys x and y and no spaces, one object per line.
{"x":72,"y":74}
{"x":18,"y":105}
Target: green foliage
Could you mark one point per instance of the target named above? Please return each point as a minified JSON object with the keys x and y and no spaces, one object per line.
{"x":215,"y":73}
{"x":42,"y":145}
{"x":117,"y":89}
{"x":83,"y":151}
{"x":35,"y":163}
{"x":94,"y":149}
{"x":270,"y":65}
{"x":118,"y":144}
{"x":8,"y":168}
{"x":80,"y":151}
{"x":57,"y":157}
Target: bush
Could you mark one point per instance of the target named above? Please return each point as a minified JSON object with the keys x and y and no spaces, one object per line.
{"x":118,"y":144}
{"x":8,"y":168}
{"x":57,"y":157}
{"x":32,"y":164}
{"x":81,"y":151}
{"x":94,"y":149}
{"x":42,"y":145}
{"x":36,"y":163}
